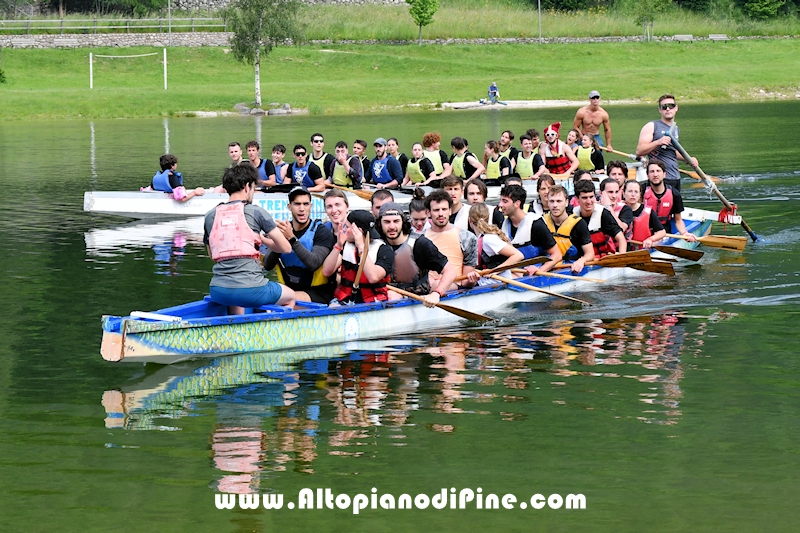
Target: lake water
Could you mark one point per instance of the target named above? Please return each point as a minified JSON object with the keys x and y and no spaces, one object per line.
{"x":672,"y":404}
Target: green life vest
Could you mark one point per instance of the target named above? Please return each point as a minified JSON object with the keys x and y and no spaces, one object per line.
{"x":414,"y":173}
{"x":585,"y":159}
{"x":320,"y":163}
{"x":436,"y":158}
{"x":340,"y":177}
{"x":525,"y":166}
{"x":507,"y":152}
{"x":458,"y":166}
{"x":493,"y":169}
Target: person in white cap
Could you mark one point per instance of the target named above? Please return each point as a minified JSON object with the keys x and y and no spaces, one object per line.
{"x":589,"y":118}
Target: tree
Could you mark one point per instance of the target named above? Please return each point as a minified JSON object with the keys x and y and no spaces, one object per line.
{"x":257,"y":26}
{"x":645,"y":12}
{"x":422,"y":12}
{"x":762,"y":9}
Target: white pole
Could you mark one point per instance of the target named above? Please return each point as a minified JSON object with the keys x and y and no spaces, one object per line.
{"x":91,"y":74}
{"x":165,"y":69}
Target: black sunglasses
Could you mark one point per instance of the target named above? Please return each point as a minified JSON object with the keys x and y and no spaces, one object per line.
{"x":317,"y":141}
{"x":664,"y":107}
{"x":299,"y":154}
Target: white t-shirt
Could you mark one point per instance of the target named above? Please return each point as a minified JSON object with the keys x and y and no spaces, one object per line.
{"x":492,"y":244}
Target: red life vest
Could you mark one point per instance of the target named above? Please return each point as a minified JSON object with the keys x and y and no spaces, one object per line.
{"x":662,"y":206}
{"x":557,"y":163}
{"x":367,"y":292}
{"x":603,"y":244}
{"x":639,"y":229}
{"x":231,"y":237}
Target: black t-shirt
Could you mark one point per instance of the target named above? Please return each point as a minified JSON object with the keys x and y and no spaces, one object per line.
{"x":608,"y":224}
{"x":385,"y":258}
{"x":425,"y":166}
{"x":626,"y":215}
{"x":540,"y":235}
{"x":327,"y":161}
{"x":513,"y":153}
{"x":403,"y":159}
{"x":655,"y":224}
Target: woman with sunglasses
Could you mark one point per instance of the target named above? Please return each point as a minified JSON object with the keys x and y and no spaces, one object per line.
{"x":558,"y":157}
{"x":654,"y":140}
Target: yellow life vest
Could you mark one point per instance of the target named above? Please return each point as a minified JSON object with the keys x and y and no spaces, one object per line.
{"x":525,"y":166}
{"x":436,"y":158}
{"x":458,"y":166}
{"x":414,"y":173}
{"x":493,"y":169}
{"x":340,"y":177}
{"x":507,"y":152}
{"x":320,"y":163}
{"x":561,"y":235}
{"x":585,"y":159}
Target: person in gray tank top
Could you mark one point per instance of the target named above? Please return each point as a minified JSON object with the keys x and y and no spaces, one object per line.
{"x":654,"y":141}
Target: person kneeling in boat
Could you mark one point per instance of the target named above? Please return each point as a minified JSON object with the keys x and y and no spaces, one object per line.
{"x":414,"y":257}
{"x":527,"y":231}
{"x":607,"y":237}
{"x":233,"y":233}
{"x":169,"y":180}
{"x":645,"y":226}
{"x":665,"y":200}
{"x":311,"y":242}
{"x":569,"y":230}
{"x":494,"y":248}
{"x":347,"y":255}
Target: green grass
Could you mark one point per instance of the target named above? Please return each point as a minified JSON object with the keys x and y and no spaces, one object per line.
{"x":354,"y":78}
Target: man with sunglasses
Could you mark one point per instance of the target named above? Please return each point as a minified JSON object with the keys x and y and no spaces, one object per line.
{"x":319,"y":156}
{"x":589,"y":118}
{"x":305,"y":173}
{"x":655,"y":142}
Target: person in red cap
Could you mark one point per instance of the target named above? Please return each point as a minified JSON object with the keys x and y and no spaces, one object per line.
{"x":557,"y":156}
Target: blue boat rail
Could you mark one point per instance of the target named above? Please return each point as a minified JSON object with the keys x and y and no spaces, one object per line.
{"x":111,"y":25}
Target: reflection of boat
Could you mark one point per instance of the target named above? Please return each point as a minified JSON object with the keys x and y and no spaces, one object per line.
{"x":161,"y":205}
{"x":102,"y":242}
{"x":165,"y":392}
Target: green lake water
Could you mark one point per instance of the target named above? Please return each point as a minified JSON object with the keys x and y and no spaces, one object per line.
{"x":672,"y":404}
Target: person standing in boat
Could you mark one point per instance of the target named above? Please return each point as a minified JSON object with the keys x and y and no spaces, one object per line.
{"x":607,"y":236}
{"x":557,"y":156}
{"x":346,"y":170}
{"x":656,"y":143}
{"x":169,"y":180}
{"x":664,"y":199}
{"x":419,"y":170}
{"x":386,"y":171}
{"x":305,"y":173}
{"x":570,"y":231}
{"x":464,"y":163}
{"x":233,"y":231}
{"x":311,"y":241}
{"x":278,"y":153}
{"x":457,"y":244}
{"x":414,"y":257}
{"x":319,"y":156}
{"x":346,"y":256}
{"x":431,"y":142}
{"x":590,"y":117}
{"x":528,"y":164}
{"x":265,"y":167}
{"x":645,"y":226}
{"x":527,"y":231}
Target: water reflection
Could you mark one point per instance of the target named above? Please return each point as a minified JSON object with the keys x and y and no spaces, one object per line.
{"x":276,"y":412}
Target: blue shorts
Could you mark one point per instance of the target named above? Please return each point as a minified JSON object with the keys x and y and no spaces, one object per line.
{"x":247,"y":297}
{"x":598,"y":139}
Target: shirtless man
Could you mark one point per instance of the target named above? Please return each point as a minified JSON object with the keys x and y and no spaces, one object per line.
{"x":589,"y":118}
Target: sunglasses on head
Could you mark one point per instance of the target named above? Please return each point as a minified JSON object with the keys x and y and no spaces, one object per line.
{"x":299,"y":154}
{"x":664,"y":107}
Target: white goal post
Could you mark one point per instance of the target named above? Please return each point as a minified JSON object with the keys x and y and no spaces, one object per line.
{"x":91,"y":65}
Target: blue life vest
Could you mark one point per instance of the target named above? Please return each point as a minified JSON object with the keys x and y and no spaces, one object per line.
{"x":300,"y":175}
{"x":380,"y":170}
{"x":262,"y":170}
{"x":278,"y":172}
{"x":293,"y":271}
{"x":161,"y":180}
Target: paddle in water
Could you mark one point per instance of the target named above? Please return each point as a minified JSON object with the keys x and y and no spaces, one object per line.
{"x":463,"y":313}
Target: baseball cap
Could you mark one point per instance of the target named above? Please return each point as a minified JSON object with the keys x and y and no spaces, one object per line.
{"x":594,"y":94}
{"x":380,"y":140}
{"x":296,"y":191}
{"x":391,"y":208}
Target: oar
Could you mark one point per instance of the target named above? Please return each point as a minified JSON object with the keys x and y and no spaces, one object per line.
{"x":656,"y":267}
{"x":683,"y":253}
{"x":363,"y":261}
{"x":525,"y":262}
{"x":707,"y":181}
{"x":366,"y":195}
{"x":463,"y":313}
{"x":537,"y":289}
{"x":725,"y":242}
{"x":560,"y":276}
{"x":694,"y":175}
{"x":632,"y":156}
{"x":618,"y":260}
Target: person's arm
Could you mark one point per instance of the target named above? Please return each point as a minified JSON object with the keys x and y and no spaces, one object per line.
{"x":512,"y":255}
{"x":448,"y":168}
{"x":479,"y":168}
{"x":573,"y":159}
{"x":607,"y":129}
{"x":646,"y":143}
{"x":541,"y":167}
{"x":427,"y":169}
{"x":334,"y":260}
{"x":555,"y":257}
{"x":275,"y":241}
{"x":323,"y":244}
{"x":681,"y":227}
{"x":578,"y":122}
{"x":269,"y":170}
{"x":282,"y":176}
{"x":599,"y":162}
{"x":319,"y":180}
{"x":588,"y":255}
{"x":622,"y":244}
{"x":505,"y":169}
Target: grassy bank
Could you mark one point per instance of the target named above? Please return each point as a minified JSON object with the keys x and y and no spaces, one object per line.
{"x":348,"y":79}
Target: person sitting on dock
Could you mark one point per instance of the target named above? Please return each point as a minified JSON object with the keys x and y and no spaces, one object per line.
{"x":305,"y":173}
{"x":169,"y":180}
{"x":464,"y":163}
{"x":458,"y":245}
{"x":265,"y":167}
{"x":419,"y":170}
{"x":414,"y":257}
{"x":441,"y":163}
{"x":527,"y":231}
{"x":558,"y":157}
{"x":311,"y":241}
{"x":645,"y":226}
{"x":346,"y":170}
{"x":607,"y":237}
{"x":528,"y":164}
{"x":386,"y":170}
{"x":493,"y":93}
{"x":233,"y":231}
{"x":664,"y":199}
{"x":346,"y":258}
{"x":569,"y":230}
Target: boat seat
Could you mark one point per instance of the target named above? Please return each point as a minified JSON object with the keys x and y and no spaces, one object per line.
{"x":312,"y":305}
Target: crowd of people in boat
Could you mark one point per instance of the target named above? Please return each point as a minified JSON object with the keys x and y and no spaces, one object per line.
{"x":449,"y":235}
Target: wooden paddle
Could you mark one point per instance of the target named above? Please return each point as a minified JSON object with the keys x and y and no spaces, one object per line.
{"x":366,"y":195}
{"x":725,"y":242}
{"x":463,"y":313}
{"x":707,"y":181}
{"x":537,"y":289}
{"x":656,"y":267}
{"x":363,"y":261}
{"x":525,"y":262}
{"x":694,"y":175}
{"x":524,"y":272}
{"x":619,"y":260}
{"x":683,"y":253}
{"x":635,"y":157}
{"x":632,"y":156}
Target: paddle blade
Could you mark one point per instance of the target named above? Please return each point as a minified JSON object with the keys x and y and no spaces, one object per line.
{"x":623,"y":260}
{"x":726,"y":242}
{"x":463,"y":313}
{"x":656,"y":267}
{"x":683,"y":253}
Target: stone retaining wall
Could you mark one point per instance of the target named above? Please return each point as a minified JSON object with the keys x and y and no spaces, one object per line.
{"x":213,"y":5}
